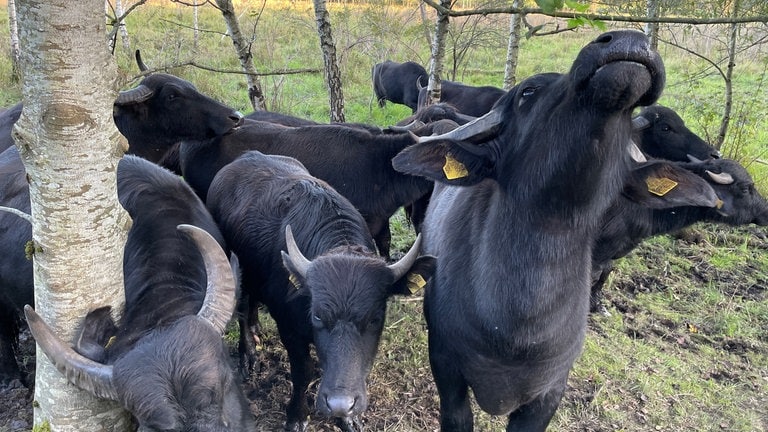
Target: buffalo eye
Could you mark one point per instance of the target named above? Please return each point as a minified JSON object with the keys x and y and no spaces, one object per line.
{"x":665,"y":128}
{"x":528,"y":92}
{"x":317,"y":322}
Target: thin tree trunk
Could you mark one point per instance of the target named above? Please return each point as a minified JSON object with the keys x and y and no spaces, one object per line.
{"x":728,"y":106}
{"x":121,"y":25}
{"x":427,"y":33}
{"x":70,"y":148}
{"x":438,"y":54}
{"x":14,"y":30}
{"x":332,"y":73}
{"x":243,"y":49}
{"x":652,"y":28}
{"x":196,"y":24}
{"x":513,"y":48}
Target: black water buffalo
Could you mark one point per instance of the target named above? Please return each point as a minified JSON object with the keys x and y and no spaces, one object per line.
{"x":661,"y":133}
{"x":16,"y":281}
{"x":293,"y":121}
{"x":7,"y":119}
{"x":353,"y":161}
{"x":626,"y":224}
{"x":469,"y":100}
{"x":398,"y":82}
{"x":167,"y":363}
{"x":153,"y":116}
{"x":335,"y":288}
{"x":163,"y":110}
{"x":518,"y":201}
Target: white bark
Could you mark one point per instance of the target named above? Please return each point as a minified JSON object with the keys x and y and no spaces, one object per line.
{"x":119,"y":11}
{"x":332,"y":73}
{"x":651,"y":28}
{"x":438,"y":54}
{"x":70,"y":147}
{"x":14,"y":30}
{"x":513,"y":48}
{"x":243,"y":49}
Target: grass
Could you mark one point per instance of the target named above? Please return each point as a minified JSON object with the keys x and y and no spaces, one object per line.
{"x":685,"y":347}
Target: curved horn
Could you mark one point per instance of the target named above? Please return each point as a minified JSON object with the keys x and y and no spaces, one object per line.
{"x":694,"y":159}
{"x":138,"y":94}
{"x":402,"y":266}
{"x":299,"y":261}
{"x":219,"y":302}
{"x":640,"y":123}
{"x":409,"y":127}
{"x":723,"y":178}
{"x":465,"y":118}
{"x":635,"y":153}
{"x":142,"y":66}
{"x":472,"y":129}
{"x":81,"y":371}
{"x":418,"y":82}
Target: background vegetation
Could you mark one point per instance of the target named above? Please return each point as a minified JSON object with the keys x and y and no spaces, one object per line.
{"x":685,"y":347}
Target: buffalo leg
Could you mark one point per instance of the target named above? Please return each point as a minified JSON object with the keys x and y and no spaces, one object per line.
{"x":302,"y":368}
{"x":383,"y":240}
{"x":455,"y":411}
{"x":9,"y":337}
{"x":248,"y":318}
{"x":535,"y":415}
{"x":596,"y":292}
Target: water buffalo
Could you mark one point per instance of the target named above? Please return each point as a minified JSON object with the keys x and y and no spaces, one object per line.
{"x":165,"y":360}
{"x":163,"y":110}
{"x":153,"y":116}
{"x":661,"y":133}
{"x":7,"y":119}
{"x":398,"y":82}
{"x":330,"y":288}
{"x":353,"y":161}
{"x":518,"y":200}
{"x":627,"y":223}
{"x":469,"y":100}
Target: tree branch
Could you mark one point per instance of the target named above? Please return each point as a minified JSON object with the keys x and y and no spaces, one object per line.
{"x":166,"y":68}
{"x":594,"y":17}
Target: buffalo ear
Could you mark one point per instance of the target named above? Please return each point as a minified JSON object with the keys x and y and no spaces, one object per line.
{"x":96,"y":335}
{"x":416,"y":278}
{"x":660,"y":184}
{"x":450,"y":162}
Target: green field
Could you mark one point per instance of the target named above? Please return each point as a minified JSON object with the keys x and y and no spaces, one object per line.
{"x":686,"y":345}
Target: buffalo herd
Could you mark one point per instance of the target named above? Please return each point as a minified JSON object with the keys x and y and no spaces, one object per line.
{"x":520,"y":199}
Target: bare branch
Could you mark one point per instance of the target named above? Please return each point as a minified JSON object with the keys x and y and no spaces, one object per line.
{"x":18,"y":213}
{"x":167,"y":68}
{"x":595,"y":17}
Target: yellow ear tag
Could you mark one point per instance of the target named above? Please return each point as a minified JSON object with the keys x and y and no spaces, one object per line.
{"x":719,"y":204}
{"x":660,"y":186}
{"x":110,"y":342}
{"x":294,"y":281}
{"x":454,"y":169}
{"x":415,"y":282}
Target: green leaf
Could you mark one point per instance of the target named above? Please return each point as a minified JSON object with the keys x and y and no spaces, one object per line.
{"x":549,"y":6}
{"x":578,"y":7}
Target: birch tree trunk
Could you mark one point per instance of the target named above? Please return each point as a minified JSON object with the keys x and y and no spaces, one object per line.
{"x":70,"y":148}
{"x":119,"y":11}
{"x":14,"y":30}
{"x":332,"y":73}
{"x":513,"y":48}
{"x":652,"y":28}
{"x":728,"y":106}
{"x":438,"y":54}
{"x":243,"y":49}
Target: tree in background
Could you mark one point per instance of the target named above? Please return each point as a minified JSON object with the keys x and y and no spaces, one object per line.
{"x":243,"y":49}
{"x":70,"y":148}
{"x":438,"y":53}
{"x":14,"y":30}
{"x":332,"y":73}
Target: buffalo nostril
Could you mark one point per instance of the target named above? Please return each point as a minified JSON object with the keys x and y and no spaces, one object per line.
{"x":604,"y":38}
{"x":340,"y":405}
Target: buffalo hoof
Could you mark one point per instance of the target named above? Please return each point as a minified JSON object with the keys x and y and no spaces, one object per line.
{"x":349,"y":424}
{"x":296,"y":426}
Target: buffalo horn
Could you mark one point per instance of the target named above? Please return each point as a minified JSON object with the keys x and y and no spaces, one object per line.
{"x":694,"y":159}
{"x":477,"y":127}
{"x":140,"y":62}
{"x":404,"y":264}
{"x":81,"y":371}
{"x":219,"y":302}
{"x":409,"y":127}
{"x":640,"y":123}
{"x":138,"y":94}
{"x":723,"y":178}
{"x":299,"y":261}
{"x":635,"y":153}
{"x":464,"y":117}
